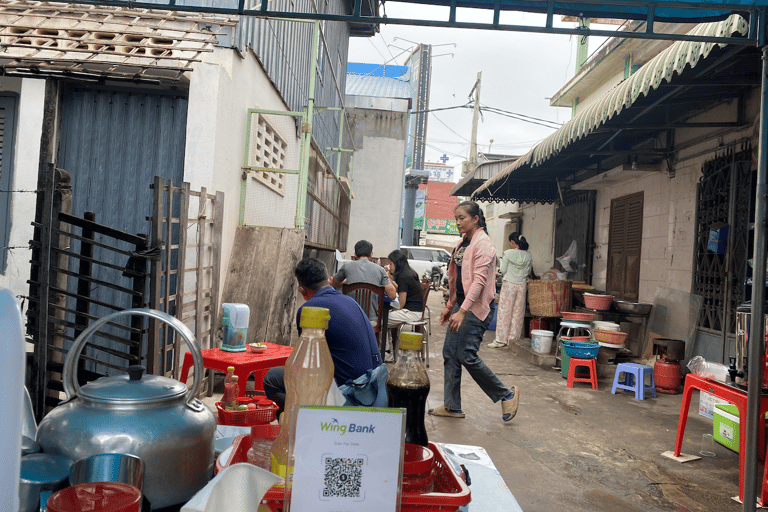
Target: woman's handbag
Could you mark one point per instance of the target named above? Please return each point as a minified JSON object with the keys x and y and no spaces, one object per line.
{"x":368,"y":390}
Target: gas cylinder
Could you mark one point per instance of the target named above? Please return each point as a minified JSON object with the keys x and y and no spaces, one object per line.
{"x":667,"y":376}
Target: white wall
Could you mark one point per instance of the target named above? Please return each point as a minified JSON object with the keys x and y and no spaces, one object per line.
{"x":377,"y":179}
{"x":498,"y":228}
{"x":539,"y":231}
{"x":669,"y":210}
{"x":25,"y":169}
{"x":222,"y":88}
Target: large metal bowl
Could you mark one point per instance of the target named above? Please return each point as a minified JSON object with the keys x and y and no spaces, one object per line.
{"x":633,"y":308}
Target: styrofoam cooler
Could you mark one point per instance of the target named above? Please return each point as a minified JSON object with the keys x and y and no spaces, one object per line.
{"x":235,"y":326}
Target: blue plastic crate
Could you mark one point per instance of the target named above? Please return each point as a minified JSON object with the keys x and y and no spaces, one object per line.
{"x":581,"y":350}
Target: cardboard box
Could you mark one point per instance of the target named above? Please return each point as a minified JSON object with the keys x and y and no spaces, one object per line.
{"x":718,"y":238}
{"x":707,"y":404}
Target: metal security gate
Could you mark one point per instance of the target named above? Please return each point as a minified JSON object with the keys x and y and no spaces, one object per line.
{"x":575,"y":220}
{"x":724,"y":196}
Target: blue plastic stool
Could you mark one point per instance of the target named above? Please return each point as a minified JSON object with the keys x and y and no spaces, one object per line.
{"x":634,"y":379}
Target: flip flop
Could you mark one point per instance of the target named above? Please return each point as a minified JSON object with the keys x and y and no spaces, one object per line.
{"x":447,"y":413}
{"x":496,"y":344}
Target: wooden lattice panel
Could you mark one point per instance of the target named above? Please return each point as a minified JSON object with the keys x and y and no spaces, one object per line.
{"x":104,"y":40}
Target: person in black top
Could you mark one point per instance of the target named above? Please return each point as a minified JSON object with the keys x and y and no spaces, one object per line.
{"x":410,"y":294}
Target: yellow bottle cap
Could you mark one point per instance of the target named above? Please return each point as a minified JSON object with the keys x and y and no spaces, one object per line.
{"x":315,"y":318}
{"x":410,"y":340}
{"x":235,"y":378}
{"x":231,"y":369}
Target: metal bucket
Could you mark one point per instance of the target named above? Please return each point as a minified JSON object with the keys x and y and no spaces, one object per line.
{"x":108,"y":467}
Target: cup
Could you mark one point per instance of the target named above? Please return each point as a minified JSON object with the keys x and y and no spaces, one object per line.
{"x":707,"y":445}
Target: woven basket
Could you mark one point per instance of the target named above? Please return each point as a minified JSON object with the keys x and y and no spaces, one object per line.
{"x":610,"y":337}
{"x":548,"y":297}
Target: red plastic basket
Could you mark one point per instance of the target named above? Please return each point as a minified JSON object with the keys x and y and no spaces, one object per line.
{"x":598,"y":302}
{"x":450,"y":491}
{"x":579,"y":317}
{"x":246,"y":418}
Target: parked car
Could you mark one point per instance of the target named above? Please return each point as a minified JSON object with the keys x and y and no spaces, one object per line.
{"x":422,"y":259}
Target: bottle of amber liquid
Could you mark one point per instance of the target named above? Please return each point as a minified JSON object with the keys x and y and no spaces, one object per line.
{"x":408,"y":387}
{"x":308,"y":377}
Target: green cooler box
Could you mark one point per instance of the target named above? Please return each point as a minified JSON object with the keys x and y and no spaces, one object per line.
{"x":725,"y":426}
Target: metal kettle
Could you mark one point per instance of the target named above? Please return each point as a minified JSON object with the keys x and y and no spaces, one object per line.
{"x":152,"y":417}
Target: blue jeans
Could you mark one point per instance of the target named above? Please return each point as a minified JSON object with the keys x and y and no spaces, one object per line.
{"x":460,"y":349}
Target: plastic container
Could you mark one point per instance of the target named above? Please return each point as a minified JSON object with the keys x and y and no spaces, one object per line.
{"x":598,"y":302}
{"x":581,"y":350}
{"x":610,"y":337}
{"x":449,"y":492}
{"x":606,"y":326}
{"x":234,"y":324}
{"x":96,"y":497}
{"x":418,"y":465}
{"x":408,"y":387}
{"x":257,"y":416}
{"x":708,"y":369}
{"x":541,"y":341}
{"x":579,"y":317}
{"x":308,"y":377}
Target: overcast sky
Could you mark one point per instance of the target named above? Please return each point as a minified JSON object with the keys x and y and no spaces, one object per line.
{"x":521,"y":71}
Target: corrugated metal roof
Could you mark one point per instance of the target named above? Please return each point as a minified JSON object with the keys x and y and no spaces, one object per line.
{"x":378,"y":86}
{"x":663,"y":67}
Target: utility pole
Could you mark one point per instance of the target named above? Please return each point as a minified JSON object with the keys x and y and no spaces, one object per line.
{"x":472,"y":165}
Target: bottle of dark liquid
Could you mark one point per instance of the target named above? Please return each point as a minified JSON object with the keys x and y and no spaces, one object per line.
{"x":408,"y":387}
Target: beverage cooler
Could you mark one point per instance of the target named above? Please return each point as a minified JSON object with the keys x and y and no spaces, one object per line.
{"x":743,"y":322}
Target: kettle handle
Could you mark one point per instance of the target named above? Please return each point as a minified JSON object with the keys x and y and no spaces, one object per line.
{"x":69,"y":375}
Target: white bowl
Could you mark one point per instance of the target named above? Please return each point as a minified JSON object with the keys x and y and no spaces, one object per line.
{"x":606,"y":326}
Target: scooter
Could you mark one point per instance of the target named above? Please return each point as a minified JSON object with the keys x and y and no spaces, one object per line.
{"x":436,"y":277}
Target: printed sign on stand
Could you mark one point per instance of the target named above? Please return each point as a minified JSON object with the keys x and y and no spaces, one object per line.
{"x":347,"y":458}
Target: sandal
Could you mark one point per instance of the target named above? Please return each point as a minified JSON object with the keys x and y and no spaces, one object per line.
{"x":509,"y":407}
{"x":496,"y":344}
{"x":447,"y":413}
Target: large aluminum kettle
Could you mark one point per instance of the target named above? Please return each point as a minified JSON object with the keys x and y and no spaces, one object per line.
{"x":149,"y":416}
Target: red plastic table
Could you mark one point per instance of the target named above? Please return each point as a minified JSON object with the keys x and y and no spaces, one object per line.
{"x":245,"y":363}
{"x":730,"y":394}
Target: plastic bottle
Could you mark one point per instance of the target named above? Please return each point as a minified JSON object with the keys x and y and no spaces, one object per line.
{"x":259,"y":452}
{"x":231,"y":390}
{"x":408,"y":387}
{"x":308,"y":377}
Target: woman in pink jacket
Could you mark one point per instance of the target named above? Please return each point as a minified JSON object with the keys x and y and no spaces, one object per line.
{"x":472,"y":285}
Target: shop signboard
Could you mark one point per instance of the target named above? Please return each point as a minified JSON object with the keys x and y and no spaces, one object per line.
{"x":445,"y":226}
{"x":347,"y":458}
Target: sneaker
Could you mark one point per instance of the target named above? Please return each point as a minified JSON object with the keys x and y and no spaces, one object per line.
{"x":509,"y":407}
{"x":496,"y":344}
{"x":447,"y":413}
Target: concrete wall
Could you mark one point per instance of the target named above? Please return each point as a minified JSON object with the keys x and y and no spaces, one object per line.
{"x":377,"y":179}
{"x":222,"y":88}
{"x":539,"y":230}
{"x":669,"y":208}
{"x":29,"y":118}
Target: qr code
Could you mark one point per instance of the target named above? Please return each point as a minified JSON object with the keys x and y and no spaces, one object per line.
{"x":343,"y":477}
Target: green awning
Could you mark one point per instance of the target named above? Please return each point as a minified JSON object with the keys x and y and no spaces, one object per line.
{"x":533,"y":177}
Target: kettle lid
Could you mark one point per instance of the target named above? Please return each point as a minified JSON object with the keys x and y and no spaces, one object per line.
{"x":135,"y":387}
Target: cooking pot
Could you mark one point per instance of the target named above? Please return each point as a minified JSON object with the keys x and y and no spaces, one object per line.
{"x":152,"y":417}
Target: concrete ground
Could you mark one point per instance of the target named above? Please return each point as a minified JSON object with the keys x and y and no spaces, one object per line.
{"x":578,"y":449}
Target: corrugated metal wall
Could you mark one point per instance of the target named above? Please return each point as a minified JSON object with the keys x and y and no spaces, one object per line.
{"x":113,"y":143}
{"x":284,"y":49}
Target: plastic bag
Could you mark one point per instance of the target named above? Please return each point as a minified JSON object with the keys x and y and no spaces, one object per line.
{"x":708,"y":369}
{"x":570,"y":255}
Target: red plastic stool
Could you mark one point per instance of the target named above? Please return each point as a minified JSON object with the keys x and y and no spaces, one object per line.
{"x":589,"y":363}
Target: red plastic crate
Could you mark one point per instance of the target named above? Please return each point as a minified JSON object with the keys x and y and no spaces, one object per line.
{"x":246,"y":418}
{"x":450,"y":491}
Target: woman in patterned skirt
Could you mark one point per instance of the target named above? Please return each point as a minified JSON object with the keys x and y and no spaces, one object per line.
{"x":515,"y":267}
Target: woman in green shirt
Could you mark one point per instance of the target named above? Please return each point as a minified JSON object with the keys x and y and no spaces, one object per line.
{"x":515,"y":267}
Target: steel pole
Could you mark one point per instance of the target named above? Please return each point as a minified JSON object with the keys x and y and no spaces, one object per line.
{"x":756,"y":330}
{"x":306,"y":133}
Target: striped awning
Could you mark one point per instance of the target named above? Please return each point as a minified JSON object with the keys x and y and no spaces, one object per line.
{"x":533,"y":177}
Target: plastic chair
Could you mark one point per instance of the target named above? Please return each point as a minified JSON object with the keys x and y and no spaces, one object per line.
{"x":573,"y":377}
{"x":367,"y":295}
{"x":426,"y":314}
{"x":634,"y":379}
{"x":422,"y":324}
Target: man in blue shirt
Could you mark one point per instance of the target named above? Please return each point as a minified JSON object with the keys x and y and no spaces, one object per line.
{"x":350,"y":337}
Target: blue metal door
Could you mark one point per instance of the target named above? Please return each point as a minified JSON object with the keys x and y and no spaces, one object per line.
{"x":113,"y":142}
